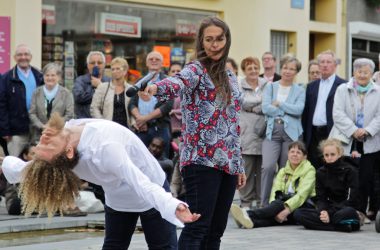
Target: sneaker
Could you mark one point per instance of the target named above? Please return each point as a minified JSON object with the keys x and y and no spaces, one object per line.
{"x":344,"y":228}
{"x":241,"y":217}
{"x":361,"y":218}
{"x":366,"y":220}
{"x":73,"y":212}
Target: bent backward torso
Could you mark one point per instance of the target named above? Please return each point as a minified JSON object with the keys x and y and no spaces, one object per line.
{"x":108,"y":152}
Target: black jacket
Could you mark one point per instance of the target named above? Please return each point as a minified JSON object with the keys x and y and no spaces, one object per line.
{"x":337,"y":186}
{"x":14,"y":115}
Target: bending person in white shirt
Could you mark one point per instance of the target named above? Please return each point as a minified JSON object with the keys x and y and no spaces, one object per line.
{"x":107,"y":154}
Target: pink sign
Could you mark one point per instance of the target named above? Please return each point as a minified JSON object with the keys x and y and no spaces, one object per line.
{"x":5,"y":43}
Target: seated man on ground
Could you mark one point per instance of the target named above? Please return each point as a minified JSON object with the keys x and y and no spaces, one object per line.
{"x":293,"y":187}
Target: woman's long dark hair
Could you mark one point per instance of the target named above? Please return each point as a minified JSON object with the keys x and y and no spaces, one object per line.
{"x":216,"y":69}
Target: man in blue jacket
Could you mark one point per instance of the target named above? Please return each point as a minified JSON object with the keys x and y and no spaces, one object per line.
{"x":85,"y":85}
{"x":16,"y":89}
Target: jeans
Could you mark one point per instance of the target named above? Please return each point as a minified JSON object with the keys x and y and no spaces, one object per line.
{"x":159,"y":234}
{"x":209,"y":192}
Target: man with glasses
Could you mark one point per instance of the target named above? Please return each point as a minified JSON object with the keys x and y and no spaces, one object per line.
{"x":269,"y":65}
{"x":16,"y":89}
{"x":151,"y":116}
{"x":85,"y":85}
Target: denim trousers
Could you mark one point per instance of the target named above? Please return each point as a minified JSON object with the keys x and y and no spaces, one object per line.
{"x":159,"y":234}
{"x":209,"y":192}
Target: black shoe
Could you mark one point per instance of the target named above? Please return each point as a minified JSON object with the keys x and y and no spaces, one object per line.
{"x":344,"y":228}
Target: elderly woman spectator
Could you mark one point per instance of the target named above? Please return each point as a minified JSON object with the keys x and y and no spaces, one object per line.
{"x":109,"y":101}
{"x":313,"y":71}
{"x":50,"y":98}
{"x":293,"y":187}
{"x":252,"y":125}
{"x":283,"y":103}
{"x":356,"y":114}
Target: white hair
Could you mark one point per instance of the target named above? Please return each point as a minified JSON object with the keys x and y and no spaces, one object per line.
{"x":360,"y":62}
{"x":99,"y":53}
{"x":52,"y":66}
{"x":327,"y":52}
{"x":22,"y":45}
{"x":154,"y":53}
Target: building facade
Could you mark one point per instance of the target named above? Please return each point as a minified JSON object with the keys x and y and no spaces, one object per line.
{"x":65,"y":30}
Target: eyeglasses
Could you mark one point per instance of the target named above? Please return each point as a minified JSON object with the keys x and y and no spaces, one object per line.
{"x":152,"y":59}
{"x":96,"y":62}
{"x":267,"y":58}
{"x":23,"y":54}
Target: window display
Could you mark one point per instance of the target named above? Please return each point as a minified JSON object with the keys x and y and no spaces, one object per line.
{"x":117,"y":29}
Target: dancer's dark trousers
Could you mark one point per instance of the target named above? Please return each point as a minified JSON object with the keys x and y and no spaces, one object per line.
{"x":209,"y":192}
{"x":159,"y":234}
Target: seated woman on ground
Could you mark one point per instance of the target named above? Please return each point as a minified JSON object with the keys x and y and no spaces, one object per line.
{"x":337,"y":188}
{"x":293,"y":187}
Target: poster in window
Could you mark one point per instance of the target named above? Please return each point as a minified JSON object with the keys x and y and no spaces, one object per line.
{"x":165,"y":52}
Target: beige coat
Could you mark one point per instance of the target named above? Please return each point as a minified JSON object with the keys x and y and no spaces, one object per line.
{"x":102,"y":101}
{"x":251,"y":110}
{"x":63,"y":104}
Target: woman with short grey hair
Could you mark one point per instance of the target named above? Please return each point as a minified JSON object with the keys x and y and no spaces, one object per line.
{"x":283,"y":104}
{"x":356,"y":115}
{"x":48,"y":99}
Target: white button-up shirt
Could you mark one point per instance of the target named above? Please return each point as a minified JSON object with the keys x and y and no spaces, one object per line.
{"x":319,"y":118}
{"x":115,"y":158}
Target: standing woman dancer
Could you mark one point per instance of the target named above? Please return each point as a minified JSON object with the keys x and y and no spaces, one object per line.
{"x":210,"y":155}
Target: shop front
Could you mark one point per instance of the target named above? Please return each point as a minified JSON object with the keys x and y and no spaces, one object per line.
{"x":72,"y":28}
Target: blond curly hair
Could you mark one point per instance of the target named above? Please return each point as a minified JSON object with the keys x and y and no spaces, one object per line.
{"x":49,"y":187}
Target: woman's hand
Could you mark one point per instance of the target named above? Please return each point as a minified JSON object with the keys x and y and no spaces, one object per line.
{"x":324,"y":216}
{"x":184,"y":215}
{"x":151,"y":89}
{"x":283,"y":215}
{"x":276,"y":103}
{"x":241,"y":180}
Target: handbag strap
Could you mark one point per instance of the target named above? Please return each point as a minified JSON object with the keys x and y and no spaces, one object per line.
{"x":104,"y":98}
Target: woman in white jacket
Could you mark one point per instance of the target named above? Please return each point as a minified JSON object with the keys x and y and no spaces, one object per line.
{"x":356,"y":115}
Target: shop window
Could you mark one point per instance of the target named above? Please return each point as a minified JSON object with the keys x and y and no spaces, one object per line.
{"x":118,"y":29}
